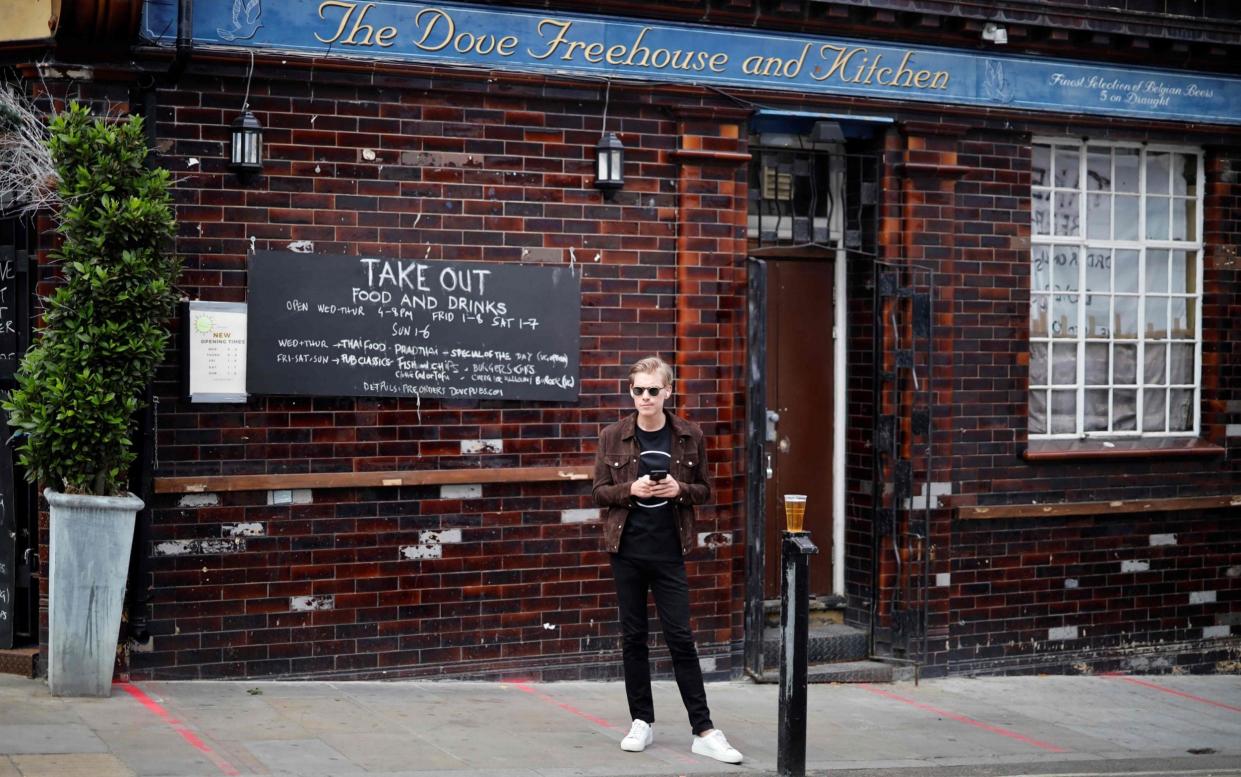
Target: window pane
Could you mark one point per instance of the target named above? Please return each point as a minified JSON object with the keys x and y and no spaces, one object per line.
{"x":1064,"y":364}
{"x":1038,"y":364}
{"x":1040,"y":163}
{"x":1126,"y":270}
{"x":1189,"y":329}
{"x":1066,"y":268}
{"x":1097,"y":364}
{"x":1099,"y":169}
{"x":1125,"y":371}
{"x":1181,"y":325}
{"x":1096,"y":410}
{"x":1156,"y":270}
{"x":1157,"y":218}
{"x":1067,"y":167}
{"x":1099,"y":216}
{"x":1040,"y":204}
{"x":1180,"y":410}
{"x":1126,"y":169}
{"x":1184,"y":219}
{"x":1153,"y":405}
{"x":1156,"y":318}
{"x":1064,"y":315}
{"x":1063,"y":412}
{"x":1038,"y":315}
{"x":1124,"y":410}
{"x":1098,"y":315}
{"x":1038,"y":411}
{"x":1125,"y":318}
{"x":1126,"y":217}
{"x":1098,"y":270}
{"x":1185,"y":174}
{"x":1068,"y":219}
{"x":1040,"y":268}
{"x":1182,"y":366}
{"x":1158,"y":166}
{"x":1154,"y":357}
{"x":1184,"y":272}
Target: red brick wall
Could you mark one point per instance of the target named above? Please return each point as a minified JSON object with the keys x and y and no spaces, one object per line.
{"x":323,"y":588}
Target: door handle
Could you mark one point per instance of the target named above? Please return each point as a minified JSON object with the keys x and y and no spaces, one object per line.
{"x":770,"y":471}
{"x":772,"y":418}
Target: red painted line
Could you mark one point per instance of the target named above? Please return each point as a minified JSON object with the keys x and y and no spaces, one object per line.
{"x":189,"y":736}
{"x":521,"y":686}
{"x":1182,"y":694}
{"x":965,"y":719}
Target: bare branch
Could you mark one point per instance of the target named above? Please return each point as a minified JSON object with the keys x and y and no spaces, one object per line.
{"x":27,"y":174}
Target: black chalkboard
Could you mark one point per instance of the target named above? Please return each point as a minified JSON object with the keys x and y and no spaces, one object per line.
{"x":8,"y":535}
{"x":366,"y":326}
{"x":8,"y":311}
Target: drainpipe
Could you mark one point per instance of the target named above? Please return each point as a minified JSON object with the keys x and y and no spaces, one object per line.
{"x":142,"y":472}
{"x":185,"y":38}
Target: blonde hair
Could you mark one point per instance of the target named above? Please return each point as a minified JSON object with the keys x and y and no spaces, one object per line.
{"x":652,"y":364}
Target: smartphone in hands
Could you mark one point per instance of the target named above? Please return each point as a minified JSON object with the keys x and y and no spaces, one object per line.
{"x":657,"y":475}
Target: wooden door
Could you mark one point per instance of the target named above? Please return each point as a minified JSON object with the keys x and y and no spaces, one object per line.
{"x":799,"y":384}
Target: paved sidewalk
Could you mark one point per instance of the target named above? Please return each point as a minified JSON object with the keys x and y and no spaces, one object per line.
{"x":1165,"y":725}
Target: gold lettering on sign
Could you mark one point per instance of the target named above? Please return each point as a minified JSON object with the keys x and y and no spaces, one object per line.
{"x":552,"y":45}
{"x":634,"y":55}
{"x":562,"y":39}
{"x":370,"y":36}
{"x":437,"y":31}
{"x":853,"y":65}
{"x":637,"y":46}
{"x":759,"y":65}
{"x":434,"y":16}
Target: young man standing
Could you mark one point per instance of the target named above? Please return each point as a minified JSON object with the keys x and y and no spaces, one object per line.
{"x":650,"y":472}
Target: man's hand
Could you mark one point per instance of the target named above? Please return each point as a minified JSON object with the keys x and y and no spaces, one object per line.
{"x":645,"y":488}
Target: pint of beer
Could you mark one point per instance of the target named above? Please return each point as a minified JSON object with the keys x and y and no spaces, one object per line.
{"x":794,"y":511}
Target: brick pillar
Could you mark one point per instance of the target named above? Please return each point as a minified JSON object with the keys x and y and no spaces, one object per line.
{"x":921,"y":228}
{"x":710,"y":334}
{"x":1221,"y":300}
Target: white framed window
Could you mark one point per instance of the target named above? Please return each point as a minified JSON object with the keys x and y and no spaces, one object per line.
{"x":1116,"y":289}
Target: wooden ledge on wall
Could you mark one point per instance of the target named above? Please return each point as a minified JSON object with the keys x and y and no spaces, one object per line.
{"x":1146,"y":448}
{"x":391,"y":478}
{"x":1111,"y":507}
{"x":704,"y":155}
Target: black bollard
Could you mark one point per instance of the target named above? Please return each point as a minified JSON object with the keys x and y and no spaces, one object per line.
{"x":795,"y":552}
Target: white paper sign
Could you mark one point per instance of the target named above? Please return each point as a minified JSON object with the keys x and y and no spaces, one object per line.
{"x":217,"y":351}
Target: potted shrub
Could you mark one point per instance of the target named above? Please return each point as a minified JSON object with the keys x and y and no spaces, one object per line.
{"x":79,"y":386}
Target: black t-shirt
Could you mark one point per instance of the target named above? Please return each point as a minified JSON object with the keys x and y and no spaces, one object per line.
{"x":651,"y":528}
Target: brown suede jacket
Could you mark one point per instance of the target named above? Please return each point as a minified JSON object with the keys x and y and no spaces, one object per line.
{"x":616,"y":467}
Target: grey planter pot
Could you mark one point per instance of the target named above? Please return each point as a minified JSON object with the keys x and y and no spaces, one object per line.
{"x":90,"y":541}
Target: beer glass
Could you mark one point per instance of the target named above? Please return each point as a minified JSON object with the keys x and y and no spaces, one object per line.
{"x":794,"y":511}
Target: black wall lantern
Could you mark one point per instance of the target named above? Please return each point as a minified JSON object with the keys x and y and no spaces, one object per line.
{"x":609,"y":163}
{"x":247,"y":151}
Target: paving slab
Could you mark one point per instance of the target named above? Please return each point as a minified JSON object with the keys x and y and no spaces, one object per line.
{"x":71,"y":765}
{"x":49,"y":738}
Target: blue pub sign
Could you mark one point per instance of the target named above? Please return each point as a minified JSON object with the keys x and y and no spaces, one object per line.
{"x":603,"y":47}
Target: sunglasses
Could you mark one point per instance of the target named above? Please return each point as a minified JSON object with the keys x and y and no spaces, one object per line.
{"x":651,"y":391}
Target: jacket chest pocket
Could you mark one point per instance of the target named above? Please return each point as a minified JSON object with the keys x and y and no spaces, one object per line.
{"x":623,"y":465}
{"x":685,"y":464}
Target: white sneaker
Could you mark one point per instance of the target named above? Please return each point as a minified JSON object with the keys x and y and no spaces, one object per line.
{"x":714,"y":745}
{"x":640,"y":735}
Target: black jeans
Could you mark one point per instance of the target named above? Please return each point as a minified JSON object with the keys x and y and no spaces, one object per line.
{"x":670,"y":585}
